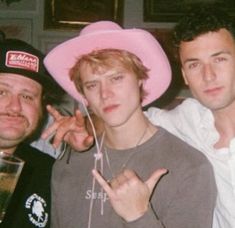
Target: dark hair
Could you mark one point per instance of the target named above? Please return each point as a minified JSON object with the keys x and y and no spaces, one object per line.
{"x":202,"y":18}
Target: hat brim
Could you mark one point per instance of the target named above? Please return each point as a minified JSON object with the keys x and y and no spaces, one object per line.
{"x":39,"y":78}
{"x":139,"y":42}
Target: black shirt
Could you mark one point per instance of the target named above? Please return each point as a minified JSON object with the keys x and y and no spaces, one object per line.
{"x":30,"y":203}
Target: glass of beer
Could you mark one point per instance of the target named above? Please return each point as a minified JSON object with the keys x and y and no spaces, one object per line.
{"x":10,"y":169}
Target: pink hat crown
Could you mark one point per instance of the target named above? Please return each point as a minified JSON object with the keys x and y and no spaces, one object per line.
{"x":101,"y":26}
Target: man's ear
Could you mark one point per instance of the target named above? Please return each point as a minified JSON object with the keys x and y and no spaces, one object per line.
{"x":184,"y":76}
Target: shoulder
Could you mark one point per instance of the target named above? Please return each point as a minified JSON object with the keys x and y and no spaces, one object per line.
{"x":74,"y":160}
{"x":33,"y":155}
{"x":180,"y":152}
{"x":187,"y":109}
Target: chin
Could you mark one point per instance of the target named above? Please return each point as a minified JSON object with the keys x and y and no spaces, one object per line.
{"x":115,"y":123}
{"x":19,"y":133}
{"x":216,"y":105}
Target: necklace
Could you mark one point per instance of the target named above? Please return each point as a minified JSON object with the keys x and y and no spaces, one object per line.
{"x":129,"y":157}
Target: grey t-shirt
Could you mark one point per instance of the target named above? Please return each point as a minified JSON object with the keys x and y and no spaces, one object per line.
{"x":183,"y":198}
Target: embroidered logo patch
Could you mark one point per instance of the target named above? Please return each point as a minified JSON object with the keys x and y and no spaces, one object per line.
{"x":37,"y":214}
{"x":23,"y":60}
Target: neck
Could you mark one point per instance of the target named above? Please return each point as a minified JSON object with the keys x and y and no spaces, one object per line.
{"x":130,"y":134}
{"x":225,"y":125}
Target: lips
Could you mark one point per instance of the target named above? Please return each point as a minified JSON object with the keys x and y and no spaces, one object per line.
{"x":110,"y":108}
{"x":213,"y":91}
{"x":11,"y":119}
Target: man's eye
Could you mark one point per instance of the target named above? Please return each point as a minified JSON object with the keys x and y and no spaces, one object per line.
{"x":27,"y":97}
{"x":220,"y":59}
{"x":117,"y":78}
{"x":193,"y":65}
{"x":2,"y":92}
{"x":91,"y":86}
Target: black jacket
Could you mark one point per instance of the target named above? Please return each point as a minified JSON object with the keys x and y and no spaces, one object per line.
{"x":30,"y":204}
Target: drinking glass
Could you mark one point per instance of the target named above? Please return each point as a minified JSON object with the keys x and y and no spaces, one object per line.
{"x":10,"y":169}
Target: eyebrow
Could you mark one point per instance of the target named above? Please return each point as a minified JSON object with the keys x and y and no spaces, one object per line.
{"x":88,"y":82}
{"x":220,"y":53}
{"x":107,"y":74}
{"x":33,"y":93}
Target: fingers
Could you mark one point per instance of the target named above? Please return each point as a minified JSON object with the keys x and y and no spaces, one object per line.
{"x":119,"y":180}
{"x":154,"y":178}
{"x":53,"y":112}
{"x":60,"y":133}
{"x":54,"y":126}
{"x":124,"y":178}
{"x":60,"y":127}
{"x":115,"y":183}
{"x":88,"y":141}
{"x":104,"y":184}
{"x":80,"y":119}
{"x":49,"y":131}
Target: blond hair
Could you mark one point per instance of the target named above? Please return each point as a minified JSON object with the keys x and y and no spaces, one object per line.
{"x":99,"y":60}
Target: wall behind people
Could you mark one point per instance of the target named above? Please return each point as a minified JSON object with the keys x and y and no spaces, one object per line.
{"x":24,"y":19}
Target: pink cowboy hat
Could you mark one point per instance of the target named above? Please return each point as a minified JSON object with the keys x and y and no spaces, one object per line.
{"x":107,"y":34}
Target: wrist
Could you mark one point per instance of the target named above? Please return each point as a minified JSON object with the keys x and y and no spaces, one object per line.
{"x":135,"y":216}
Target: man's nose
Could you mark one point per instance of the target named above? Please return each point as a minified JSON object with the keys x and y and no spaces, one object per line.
{"x":208,"y":73}
{"x":105,"y":91}
{"x":14,"y":103}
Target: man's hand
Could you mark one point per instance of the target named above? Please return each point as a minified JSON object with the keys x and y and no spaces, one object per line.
{"x":69,"y":129}
{"x":129,"y":196}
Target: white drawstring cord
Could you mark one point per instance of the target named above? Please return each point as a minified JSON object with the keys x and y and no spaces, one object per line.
{"x":98,"y":156}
